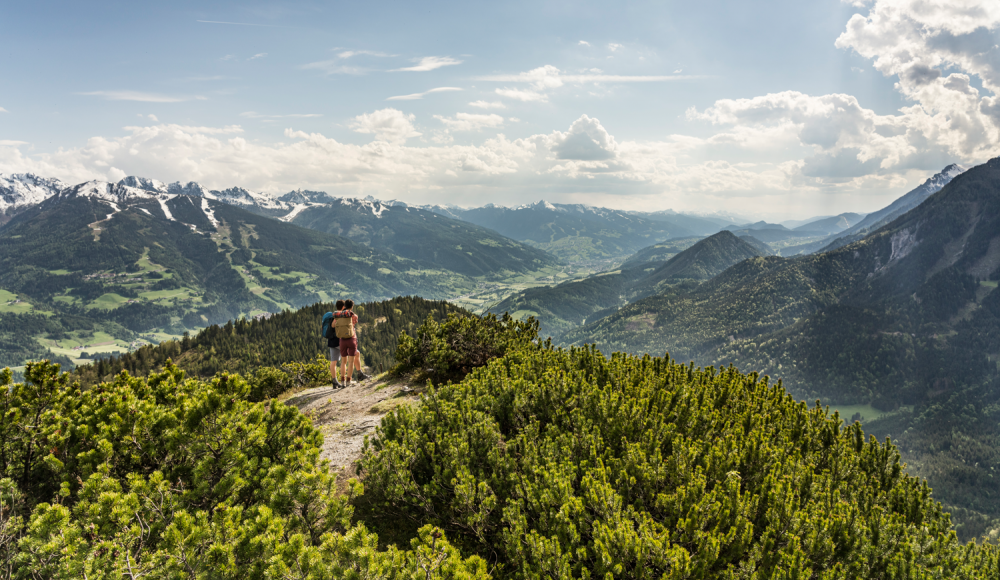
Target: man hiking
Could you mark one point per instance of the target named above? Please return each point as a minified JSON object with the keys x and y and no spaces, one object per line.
{"x":345,"y":323}
{"x":333,"y":345}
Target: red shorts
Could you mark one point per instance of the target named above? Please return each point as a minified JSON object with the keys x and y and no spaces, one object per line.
{"x":348,"y":346}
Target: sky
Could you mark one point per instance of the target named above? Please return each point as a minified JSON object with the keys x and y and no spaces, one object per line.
{"x":778,"y":109}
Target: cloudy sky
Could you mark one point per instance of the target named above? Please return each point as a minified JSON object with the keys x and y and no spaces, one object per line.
{"x":780,"y":109}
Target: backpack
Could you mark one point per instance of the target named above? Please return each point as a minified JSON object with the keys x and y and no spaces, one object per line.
{"x":327,"y":331}
{"x":343,"y":323}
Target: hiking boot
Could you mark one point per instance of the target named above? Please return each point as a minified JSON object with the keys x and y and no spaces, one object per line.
{"x":337,"y":385}
{"x":362,"y":376}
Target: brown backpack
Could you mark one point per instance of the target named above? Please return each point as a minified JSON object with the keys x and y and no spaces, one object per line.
{"x":343,"y":323}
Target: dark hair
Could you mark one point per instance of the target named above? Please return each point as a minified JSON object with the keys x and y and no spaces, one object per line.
{"x":340,"y":304}
{"x":349,"y":303}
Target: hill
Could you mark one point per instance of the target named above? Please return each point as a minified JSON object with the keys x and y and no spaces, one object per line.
{"x":915,"y":270}
{"x":244,"y":345}
{"x":99,"y":266}
{"x":702,"y":261}
{"x":567,"y":463}
{"x":568,"y":305}
{"x":541,"y":462}
{"x":571,"y":232}
{"x":902,"y":323}
{"x":422,"y":235}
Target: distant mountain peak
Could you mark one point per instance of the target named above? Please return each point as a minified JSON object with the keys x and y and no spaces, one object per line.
{"x":106,"y":191}
{"x":145,"y":183}
{"x":19,"y":190}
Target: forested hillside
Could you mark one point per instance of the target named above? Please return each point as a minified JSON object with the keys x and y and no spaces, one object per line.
{"x":425,"y":236}
{"x":554,"y":463}
{"x":904,"y":321}
{"x":541,"y":462}
{"x":111,"y":264}
{"x":566,"y":306}
{"x":242,"y":346}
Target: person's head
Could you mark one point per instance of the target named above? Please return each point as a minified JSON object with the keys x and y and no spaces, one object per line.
{"x":348,"y":304}
{"x":340,"y":305}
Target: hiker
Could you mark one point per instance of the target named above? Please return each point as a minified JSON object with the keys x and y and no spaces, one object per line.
{"x":345,"y":323}
{"x":333,"y":345}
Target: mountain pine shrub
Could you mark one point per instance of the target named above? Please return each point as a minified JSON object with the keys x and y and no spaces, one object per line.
{"x":170,"y":478}
{"x":556,"y":463}
{"x":451,"y":349}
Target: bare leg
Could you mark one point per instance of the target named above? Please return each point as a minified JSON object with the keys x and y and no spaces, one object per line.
{"x":357,"y":361}
{"x":343,"y":369}
{"x":333,"y":370}
{"x":350,"y":369}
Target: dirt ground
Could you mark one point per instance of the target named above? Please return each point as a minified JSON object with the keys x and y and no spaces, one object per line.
{"x":346,"y":416}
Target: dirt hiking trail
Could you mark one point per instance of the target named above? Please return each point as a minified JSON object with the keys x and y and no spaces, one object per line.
{"x":346,"y":416}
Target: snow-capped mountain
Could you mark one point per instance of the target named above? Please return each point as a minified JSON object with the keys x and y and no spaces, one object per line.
{"x":20,"y":190}
{"x":115,"y":193}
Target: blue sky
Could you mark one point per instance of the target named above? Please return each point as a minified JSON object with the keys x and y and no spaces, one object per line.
{"x":771,"y":109}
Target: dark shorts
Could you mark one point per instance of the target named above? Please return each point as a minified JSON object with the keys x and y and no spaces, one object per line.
{"x":348,"y":346}
{"x":334,"y":354}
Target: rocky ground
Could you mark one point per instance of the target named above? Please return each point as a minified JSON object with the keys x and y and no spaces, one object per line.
{"x":346,"y":416}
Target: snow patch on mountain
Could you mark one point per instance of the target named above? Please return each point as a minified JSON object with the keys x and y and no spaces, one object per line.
{"x":209,"y":213}
{"x":163,"y":199}
{"x":20,"y":190}
{"x":295,"y":211}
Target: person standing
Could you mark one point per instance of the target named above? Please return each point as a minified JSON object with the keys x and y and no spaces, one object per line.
{"x":333,"y":347}
{"x":345,"y":324}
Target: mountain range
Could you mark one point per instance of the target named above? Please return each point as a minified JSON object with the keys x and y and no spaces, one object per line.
{"x":563,"y":307}
{"x":577,"y":233}
{"x":107,"y":262}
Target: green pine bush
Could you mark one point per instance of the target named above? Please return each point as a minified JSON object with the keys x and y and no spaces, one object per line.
{"x":170,"y":478}
{"x":449,"y":350}
{"x":557,"y":463}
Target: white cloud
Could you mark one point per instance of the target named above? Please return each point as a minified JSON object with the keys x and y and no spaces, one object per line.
{"x":488,"y":105}
{"x":350,"y":53}
{"x":934,"y":47}
{"x":584,"y":163}
{"x":3,"y":110}
{"x":141,"y":97}
{"x":390,"y":125}
{"x":417,"y":96}
{"x":547,"y":78}
{"x":429,"y":63}
{"x":153,"y":118}
{"x":471,"y":121}
{"x":522,"y":95}
{"x":586,"y":140}
{"x":614,"y":46}
{"x":258,"y":55}
{"x":256,"y":115}
{"x":584,"y":43}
